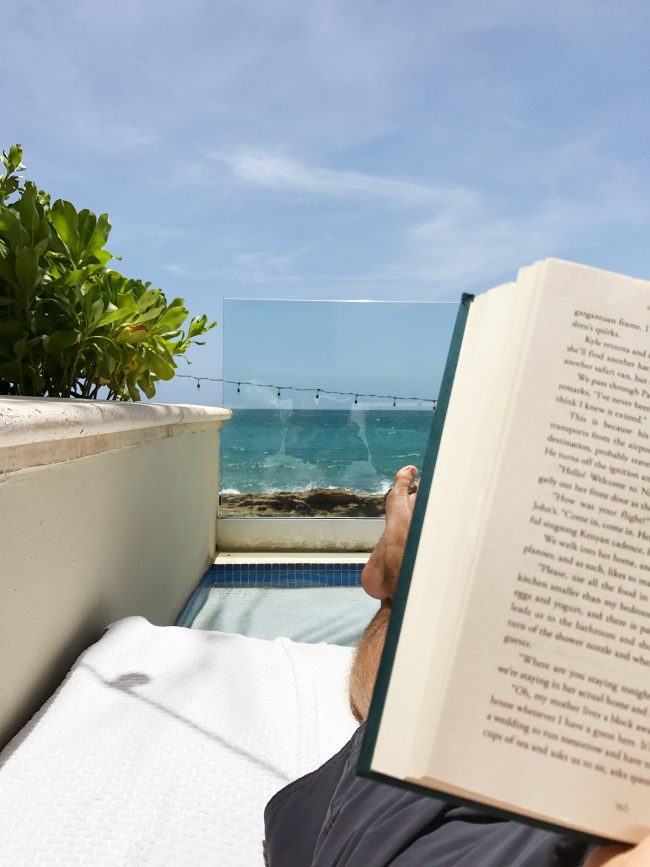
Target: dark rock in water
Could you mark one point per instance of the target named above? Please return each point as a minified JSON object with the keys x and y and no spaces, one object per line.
{"x":317,"y":502}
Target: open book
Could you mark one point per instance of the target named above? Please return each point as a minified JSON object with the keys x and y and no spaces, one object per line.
{"x":516,"y":671}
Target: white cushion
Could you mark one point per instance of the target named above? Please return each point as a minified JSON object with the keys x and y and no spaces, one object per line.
{"x":164,"y":744}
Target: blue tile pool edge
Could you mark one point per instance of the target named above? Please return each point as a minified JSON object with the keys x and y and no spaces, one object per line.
{"x":277,"y":575}
{"x":302,"y":574}
{"x":195,"y":603}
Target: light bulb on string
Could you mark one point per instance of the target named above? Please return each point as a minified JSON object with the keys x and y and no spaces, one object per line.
{"x":279,"y":389}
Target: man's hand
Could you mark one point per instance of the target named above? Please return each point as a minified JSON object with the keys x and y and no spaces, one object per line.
{"x":616,"y":856}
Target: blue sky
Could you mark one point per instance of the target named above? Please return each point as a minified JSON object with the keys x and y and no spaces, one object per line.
{"x":351,"y":149}
{"x":375,"y":349}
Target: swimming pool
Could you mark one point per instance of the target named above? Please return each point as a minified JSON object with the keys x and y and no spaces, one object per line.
{"x":308,"y":600}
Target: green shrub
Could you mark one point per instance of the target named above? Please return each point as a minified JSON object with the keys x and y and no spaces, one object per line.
{"x":69,"y":325}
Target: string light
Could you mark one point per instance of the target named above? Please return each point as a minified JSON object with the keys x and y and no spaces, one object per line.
{"x":318,"y":391}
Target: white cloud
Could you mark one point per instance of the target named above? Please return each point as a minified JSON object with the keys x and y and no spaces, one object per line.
{"x":478,"y":243}
{"x":580,"y":206}
{"x":262,"y":169}
{"x":529,"y":106}
{"x":263,"y":261}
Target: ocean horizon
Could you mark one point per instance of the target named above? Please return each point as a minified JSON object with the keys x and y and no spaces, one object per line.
{"x":271,"y":450}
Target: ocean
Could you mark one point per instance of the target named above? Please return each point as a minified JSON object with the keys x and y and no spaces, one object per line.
{"x":292,"y":450}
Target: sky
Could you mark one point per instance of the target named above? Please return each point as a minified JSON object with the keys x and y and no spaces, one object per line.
{"x":379,"y":354}
{"x":337,"y":149}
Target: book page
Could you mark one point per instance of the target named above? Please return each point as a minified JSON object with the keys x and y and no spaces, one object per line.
{"x":552,"y":676}
{"x":455,"y":506}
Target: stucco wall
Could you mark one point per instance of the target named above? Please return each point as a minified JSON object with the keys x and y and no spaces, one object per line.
{"x":106,"y":510}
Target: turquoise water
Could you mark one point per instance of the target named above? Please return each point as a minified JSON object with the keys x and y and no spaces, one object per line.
{"x":291,"y":450}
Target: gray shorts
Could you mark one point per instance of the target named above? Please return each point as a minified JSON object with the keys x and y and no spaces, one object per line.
{"x":333,"y":817}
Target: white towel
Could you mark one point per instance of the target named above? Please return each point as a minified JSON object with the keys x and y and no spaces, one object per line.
{"x":163,"y":746}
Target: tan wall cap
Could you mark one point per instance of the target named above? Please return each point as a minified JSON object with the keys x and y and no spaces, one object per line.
{"x":28,"y":420}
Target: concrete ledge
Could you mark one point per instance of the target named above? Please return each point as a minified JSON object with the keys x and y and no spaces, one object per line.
{"x":39,"y":431}
{"x":107,"y":509}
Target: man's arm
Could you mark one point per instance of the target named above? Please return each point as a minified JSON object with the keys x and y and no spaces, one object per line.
{"x":366,"y":663}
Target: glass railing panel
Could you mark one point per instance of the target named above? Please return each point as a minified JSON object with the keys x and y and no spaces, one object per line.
{"x":329,"y":399}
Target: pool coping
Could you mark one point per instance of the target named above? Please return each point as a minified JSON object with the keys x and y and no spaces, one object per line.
{"x":289,"y":557}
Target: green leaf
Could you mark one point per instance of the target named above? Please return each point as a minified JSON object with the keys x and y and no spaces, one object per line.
{"x":132,"y":387}
{"x":114,"y":316}
{"x":148,"y":388}
{"x":37,"y":382}
{"x":32,"y":215}
{"x":20,"y":348}
{"x":150,"y":314}
{"x":133,"y":334}
{"x":64,"y":218}
{"x":8,"y":217}
{"x":13,"y":160}
{"x":93,"y":234}
{"x":60,"y":302}
{"x":106,"y":365}
{"x":96,"y":310}
{"x":27,"y":270}
{"x":8,"y":185}
{"x":148,"y":298}
{"x":171,"y":321}
{"x":63,"y":340}
{"x":162,"y":368}
{"x":8,"y":273}
{"x":103,"y":257}
{"x":199,"y":325}
{"x":11,"y":327}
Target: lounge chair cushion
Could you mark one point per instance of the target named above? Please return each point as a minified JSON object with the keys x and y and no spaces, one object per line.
{"x":163,"y":745}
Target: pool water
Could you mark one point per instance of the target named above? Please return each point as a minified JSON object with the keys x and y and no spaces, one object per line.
{"x":306,"y":601}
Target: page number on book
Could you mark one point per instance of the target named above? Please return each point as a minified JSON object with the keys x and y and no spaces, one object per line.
{"x":622,"y":808}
